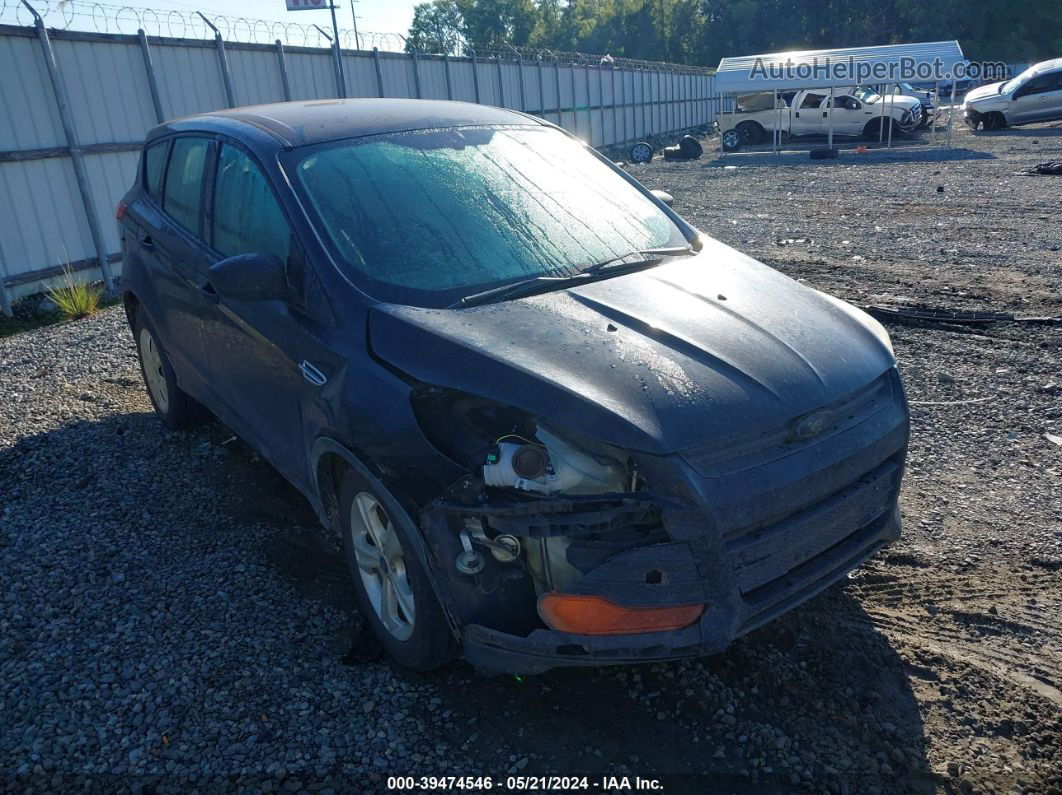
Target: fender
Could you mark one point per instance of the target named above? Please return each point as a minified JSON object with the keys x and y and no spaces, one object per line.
{"x":324,"y":445}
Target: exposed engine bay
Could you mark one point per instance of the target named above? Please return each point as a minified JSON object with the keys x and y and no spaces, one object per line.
{"x":539,"y":509}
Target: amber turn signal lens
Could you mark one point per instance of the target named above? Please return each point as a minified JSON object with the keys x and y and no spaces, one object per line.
{"x":593,"y":615}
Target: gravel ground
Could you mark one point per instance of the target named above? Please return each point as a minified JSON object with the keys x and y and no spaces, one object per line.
{"x":170,"y":616}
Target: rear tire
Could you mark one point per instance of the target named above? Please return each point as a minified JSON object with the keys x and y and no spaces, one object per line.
{"x":394,"y":591}
{"x":751,"y":133}
{"x":173,"y":406}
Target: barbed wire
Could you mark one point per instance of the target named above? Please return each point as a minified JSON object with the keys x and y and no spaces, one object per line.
{"x":96,"y":17}
{"x":85,"y":15}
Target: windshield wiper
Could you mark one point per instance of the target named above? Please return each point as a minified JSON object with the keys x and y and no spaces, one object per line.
{"x":646,"y":258}
{"x":538,"y":284}
{"x":518,"y":289}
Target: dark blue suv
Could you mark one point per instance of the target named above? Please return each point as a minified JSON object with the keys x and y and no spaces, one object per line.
{"x":550,"y":421}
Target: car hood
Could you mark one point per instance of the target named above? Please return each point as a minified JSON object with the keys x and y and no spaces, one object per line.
{"x":698,"y":349}
{"x":991,"y":91}
{"x":899,"y":101}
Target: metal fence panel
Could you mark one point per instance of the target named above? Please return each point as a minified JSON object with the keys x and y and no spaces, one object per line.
{"x":28,"y":115}
{"x":113,"y":105}
{"x":255,"y":76}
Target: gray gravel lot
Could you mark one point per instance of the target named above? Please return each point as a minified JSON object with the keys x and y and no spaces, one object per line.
{"x":171,"y":617}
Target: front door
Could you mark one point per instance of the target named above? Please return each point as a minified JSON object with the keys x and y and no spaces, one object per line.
{"x":807,"y":118}
{"x":848,"y":115}
{"x":269,"y":364}
{"x":1040,"y":99}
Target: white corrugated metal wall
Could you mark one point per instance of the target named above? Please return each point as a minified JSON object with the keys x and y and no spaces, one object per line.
{"x":44,"y":225}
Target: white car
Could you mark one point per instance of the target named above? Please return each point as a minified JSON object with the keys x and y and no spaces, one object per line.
{"x":1034,"y":95}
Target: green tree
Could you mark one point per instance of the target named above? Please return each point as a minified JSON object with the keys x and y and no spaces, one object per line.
{"x":437,"y":28}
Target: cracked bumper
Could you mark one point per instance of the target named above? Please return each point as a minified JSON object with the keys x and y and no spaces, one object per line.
{"x":767,"y":531}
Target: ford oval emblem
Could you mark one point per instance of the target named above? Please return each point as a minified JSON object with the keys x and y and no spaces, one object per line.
{"x":811,"y":425}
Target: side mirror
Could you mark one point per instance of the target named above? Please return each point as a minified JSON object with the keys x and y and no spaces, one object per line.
{"x":664,"y":196}
{"x":250,"y":277}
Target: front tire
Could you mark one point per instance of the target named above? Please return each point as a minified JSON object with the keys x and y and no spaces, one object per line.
{"x":173,"y":405}
{"x":731,"y":141}
{"x":993,"y":121}
{"x":394,"y":592}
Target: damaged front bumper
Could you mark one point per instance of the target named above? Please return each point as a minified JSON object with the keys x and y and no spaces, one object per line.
{"x":766,"y":524}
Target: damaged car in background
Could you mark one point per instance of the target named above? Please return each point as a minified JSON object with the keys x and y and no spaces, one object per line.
{"x":551,"y":422}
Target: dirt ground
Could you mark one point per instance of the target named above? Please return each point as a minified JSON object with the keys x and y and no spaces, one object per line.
{"x":936,"y":667}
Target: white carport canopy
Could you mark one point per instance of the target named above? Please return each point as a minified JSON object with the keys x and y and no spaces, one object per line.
{"x":831,"y":68}
{"x":926,"y":62}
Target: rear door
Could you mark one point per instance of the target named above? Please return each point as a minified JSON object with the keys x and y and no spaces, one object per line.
{"x":269,"y":361}
{"x":168,"y":240}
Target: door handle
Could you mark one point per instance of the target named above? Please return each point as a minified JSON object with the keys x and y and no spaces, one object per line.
{"x":824,"y":114}
{"x":312,"y":374}
{"x":147,"y":243}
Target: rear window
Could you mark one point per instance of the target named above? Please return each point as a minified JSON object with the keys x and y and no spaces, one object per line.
{"x":155,"y":167}
{"x":183,"y":195}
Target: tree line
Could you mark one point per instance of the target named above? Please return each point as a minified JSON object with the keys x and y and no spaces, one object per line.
{"x":700,"y":32}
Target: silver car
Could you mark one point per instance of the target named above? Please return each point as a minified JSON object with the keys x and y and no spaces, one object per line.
{"x":1033,"y":96}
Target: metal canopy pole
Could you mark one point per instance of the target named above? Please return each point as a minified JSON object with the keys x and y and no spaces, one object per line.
{"x":951,"y":112}
{"x":379,"y":72}
{"x":501,"y":81}
{"x":446,"y":70}
{"x":829,"y":121}
{"x":881,"y":122}
{"x":892,"y":122}
{"x":76,"y":160}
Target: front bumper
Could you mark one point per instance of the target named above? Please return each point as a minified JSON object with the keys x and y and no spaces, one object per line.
{"x":775,"y":522}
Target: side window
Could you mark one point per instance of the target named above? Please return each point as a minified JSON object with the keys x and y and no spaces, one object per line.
{"x":182,"y":197}
{"x":812,"y":100}
{"x":247,"y":217}
{"x":155,"y":167}
{"x":1038,"y":85}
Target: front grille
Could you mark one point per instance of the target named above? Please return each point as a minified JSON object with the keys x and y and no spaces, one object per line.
{"x":738,"y":453}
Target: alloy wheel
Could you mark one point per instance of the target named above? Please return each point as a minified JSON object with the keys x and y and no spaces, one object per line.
{"x":151,"y":361}
{"x":382,"y":566}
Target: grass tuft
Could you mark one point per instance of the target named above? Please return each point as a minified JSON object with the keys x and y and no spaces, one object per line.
{"x":76,"y":300}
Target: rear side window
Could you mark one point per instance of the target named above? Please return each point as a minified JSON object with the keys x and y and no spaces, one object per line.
{"x":247,"y":217}
{"x":155,"y":166}
{"x":184,"y":180}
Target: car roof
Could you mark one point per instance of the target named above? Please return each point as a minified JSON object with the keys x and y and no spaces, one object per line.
{"x":317,"y":121}
{"x":1046,"y":66}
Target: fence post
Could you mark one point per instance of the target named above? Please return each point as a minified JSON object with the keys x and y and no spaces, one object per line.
{"x":520,"y":78}
{"x":223,"y":61}
{"x":446,"y":70}
{"x":589,"y":105}
{"x":379,"y":73}
{"x":67,"y":119}
{"x":5,"y":301}
{"x":541,"y":88}
{"x":416,"y":72}
{"x":623,"y":95}
{"x":282,"y":65}
{"x":149,"y":67}
{"x":475,"y":75}
{"x":501,"y":81}
{"x":556,"y":73}
{"x":575,"y":101}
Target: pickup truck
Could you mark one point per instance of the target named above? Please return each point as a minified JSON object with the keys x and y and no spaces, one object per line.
{"x":856,"y":111}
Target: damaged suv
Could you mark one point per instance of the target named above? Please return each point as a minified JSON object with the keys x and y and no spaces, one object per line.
{"x":552,"y":423}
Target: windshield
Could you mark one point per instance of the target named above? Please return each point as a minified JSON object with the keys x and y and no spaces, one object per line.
{"x":426,"y":217}
{"x":865,"y":94}
{"x":1014,"y":82}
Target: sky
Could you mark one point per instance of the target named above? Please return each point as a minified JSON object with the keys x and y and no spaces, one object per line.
{"x":377,"y":16}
